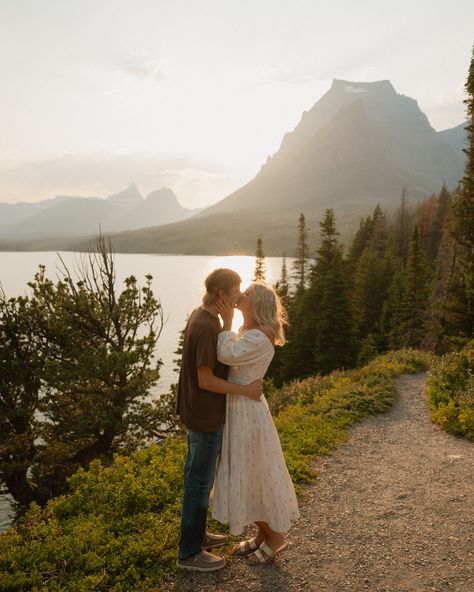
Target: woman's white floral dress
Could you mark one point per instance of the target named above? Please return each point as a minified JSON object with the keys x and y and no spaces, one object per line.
{"x":252,"y":481}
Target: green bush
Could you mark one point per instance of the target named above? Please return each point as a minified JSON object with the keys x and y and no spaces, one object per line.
{"x":450,"y":392}
{"x":117,"y":528}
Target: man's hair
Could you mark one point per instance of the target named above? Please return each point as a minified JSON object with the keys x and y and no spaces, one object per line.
{"x":219,"y":279}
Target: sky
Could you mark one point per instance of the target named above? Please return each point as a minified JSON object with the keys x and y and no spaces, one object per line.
{"x":195,"y":95}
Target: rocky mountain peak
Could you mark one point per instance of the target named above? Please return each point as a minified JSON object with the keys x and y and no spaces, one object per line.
{"x":394,"y":113}
{"x":130,"y":196}
{"x":347,"y":86}
{"x":164,"y":195}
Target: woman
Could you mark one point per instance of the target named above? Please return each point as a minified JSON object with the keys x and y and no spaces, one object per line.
{"x":252,"y":481}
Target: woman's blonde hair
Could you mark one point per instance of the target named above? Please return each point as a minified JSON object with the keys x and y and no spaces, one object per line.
{"x":267,"y":309}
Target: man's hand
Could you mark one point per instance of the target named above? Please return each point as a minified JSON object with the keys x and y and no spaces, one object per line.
{"x":254,"y":390}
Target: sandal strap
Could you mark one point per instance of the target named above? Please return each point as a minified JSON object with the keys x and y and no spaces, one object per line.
{"x":252,"y":545}
{"x":260,"y":556}
{"x":267,"y":550}
{"x":264,"y":553}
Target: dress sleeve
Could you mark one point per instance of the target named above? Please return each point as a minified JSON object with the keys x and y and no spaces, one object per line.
{"x":238,"y":351}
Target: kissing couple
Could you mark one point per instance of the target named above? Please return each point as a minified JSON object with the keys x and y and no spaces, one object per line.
{"x":233,"y":446}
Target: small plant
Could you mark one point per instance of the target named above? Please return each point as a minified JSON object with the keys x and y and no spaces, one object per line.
{"x":450,"y":392}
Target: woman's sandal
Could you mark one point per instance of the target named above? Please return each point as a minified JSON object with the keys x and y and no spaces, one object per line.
{"x":246,"y":547}
{"x":265,"y":554}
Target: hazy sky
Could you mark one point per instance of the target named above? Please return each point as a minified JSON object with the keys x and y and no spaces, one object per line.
{"x":195,"y":95}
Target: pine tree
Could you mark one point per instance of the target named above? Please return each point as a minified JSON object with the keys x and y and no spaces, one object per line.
{"x":430,"y":217}
{"x":295,"y":358}
{"x":379,"y":234}
{"x":359,"y":243}
{"x":282,"y":286}
{"x":276,"y":369}
{"x":402,"y":228}
{"x":90,"y":345}
{"x":373,"y":232}
{"x":464,"y":223}
{"x":300,"y":265}
{"x":393,"y":312}
{"x":443,"y":317}
{"x":366,"y":297}
{"x":259,"y":270}
{"x":325,"y":254}
{"x":324,"y":336}
{"x":334,"y":344}
{"x":417,"y":290}
{"x":329,"y":243}
{"x":442,"y":210}
{"x":434,"y":216}
{"x":22,"y":369}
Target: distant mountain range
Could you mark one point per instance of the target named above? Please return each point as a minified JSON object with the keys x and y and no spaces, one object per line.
{"x":359,"y":145}
{"x":66,"y":216}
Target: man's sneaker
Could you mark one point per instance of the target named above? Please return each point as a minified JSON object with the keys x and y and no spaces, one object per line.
{"x":213,"y":540}
{"x":203,"y":561}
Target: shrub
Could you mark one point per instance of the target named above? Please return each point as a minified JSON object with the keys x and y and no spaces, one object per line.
{"x":116,"y":530}
{"x":450,"y":392}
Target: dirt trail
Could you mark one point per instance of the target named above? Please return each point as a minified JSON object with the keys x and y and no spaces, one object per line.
{"x":391,"y":511}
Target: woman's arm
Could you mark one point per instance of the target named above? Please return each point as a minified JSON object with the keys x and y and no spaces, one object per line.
{"x":235,"y":350}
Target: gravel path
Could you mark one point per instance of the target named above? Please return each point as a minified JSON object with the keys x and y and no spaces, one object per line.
{"x":391,"y":511}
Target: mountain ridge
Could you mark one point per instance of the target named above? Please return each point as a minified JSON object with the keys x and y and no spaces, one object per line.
{"x":360,"y":145}
{"x":124,"y":210}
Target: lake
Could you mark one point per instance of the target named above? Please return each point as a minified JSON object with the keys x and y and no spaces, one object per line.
{"x":177,"y":282}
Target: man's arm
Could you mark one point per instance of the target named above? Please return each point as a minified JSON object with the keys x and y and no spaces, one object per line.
{"x":209,"y":382}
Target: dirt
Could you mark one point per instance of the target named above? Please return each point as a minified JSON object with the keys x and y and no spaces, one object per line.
{"x":392,"y":510}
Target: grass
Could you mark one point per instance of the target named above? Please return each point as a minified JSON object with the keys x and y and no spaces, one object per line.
{"x":117,"y":528}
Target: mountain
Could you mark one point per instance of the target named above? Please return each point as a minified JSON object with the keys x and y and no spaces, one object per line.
{"x":69,"y":216}
{"x":12,"y":213}
{"x":455,"y":137}
{"x":361,"y":142}
{"x":359,"y":145}
{"x":161,"y":204}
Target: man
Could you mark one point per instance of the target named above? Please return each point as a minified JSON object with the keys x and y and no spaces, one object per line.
{"x":201,"y":406}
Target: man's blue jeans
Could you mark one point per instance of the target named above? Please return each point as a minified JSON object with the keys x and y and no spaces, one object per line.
{"x":199,"y":473}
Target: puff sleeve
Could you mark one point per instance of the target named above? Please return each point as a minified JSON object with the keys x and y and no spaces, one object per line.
{"x":247,"y":348}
